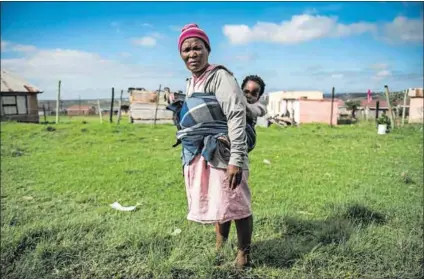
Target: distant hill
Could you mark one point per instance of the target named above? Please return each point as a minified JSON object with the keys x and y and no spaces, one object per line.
{"x":104,"y":103}
{"x":355,"y":95}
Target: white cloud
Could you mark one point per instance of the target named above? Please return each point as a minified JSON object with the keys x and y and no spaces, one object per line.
{"x":384,"y":73}
{"x":23,"y":48}
{"x":309,"y":26}
{"x":145,"y":41}
{"x":380,"y":71}
{"x":87,"y":74}
{"x":337,"y":75}
{"x":147,"y":25}
{"x":402,"y":29}
{"x":300,"y":28}
{"x":8,"y":46}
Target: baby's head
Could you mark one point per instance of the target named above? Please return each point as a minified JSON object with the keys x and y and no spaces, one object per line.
{"x":253,"y":87}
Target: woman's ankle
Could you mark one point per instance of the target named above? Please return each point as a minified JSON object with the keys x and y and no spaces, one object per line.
{"x":243,"y":258}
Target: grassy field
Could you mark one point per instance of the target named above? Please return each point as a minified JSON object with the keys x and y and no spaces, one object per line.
{"x":333,"y":203}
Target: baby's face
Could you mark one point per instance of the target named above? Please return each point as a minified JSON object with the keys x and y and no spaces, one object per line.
{"x":251,"y":91}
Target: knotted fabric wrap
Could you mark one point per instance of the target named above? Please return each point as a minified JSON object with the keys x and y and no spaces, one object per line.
{"x":202,"y":128}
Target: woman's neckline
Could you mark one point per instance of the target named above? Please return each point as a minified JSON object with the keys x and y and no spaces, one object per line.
{"x":204,"y":73}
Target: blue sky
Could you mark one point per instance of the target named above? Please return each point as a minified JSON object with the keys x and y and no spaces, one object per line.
{"x":94,"y":46}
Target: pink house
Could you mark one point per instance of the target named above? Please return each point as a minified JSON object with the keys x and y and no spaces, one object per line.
{"x":416,"y":110}
{"x":317,"y":111}
{"x":309,"y":110}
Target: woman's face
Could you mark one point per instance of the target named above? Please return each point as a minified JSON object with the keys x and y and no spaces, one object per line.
{"x":251,"y":90}
{"x":195,"y":55}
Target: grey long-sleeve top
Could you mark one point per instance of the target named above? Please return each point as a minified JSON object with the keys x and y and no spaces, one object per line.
{"x":233,"y":103}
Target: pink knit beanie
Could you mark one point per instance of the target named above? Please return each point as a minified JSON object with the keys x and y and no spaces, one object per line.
{"x":192,"y":30}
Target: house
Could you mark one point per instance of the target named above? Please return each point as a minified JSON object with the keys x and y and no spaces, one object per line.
{"x":304,"y":111}
{"x":19,"y":101}
{"x":367,"y":110}
{"x":274,"y":99}
{"x":341,"y":108}
{"x":416,"y":103}
{"x":317,"y":111}
{"x":302,"y":106}
{"x":415,"y":92}
{"x":81,"y":110}
{"x":144,"y":105}
{"x":141,"y":96}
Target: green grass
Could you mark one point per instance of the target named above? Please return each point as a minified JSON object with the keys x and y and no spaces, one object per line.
{"x":334,"y":203}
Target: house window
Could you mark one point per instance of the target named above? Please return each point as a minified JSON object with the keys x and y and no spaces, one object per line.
{"x":13,"y":105}
{"x":22,"y":104}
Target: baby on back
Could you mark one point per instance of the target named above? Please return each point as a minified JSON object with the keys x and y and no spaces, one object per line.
{"x":253,"y":88}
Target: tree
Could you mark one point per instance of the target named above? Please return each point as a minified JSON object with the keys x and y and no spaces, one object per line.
{"x":396,"y":98}
{"x":353,"y":106}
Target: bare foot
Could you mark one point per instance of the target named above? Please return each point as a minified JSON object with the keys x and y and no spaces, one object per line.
{"x":243,"y":260}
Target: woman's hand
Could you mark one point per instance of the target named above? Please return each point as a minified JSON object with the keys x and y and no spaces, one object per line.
{"x":234,"y":175}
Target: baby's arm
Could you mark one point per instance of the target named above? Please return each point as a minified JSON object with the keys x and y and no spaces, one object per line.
{"x":255,"y":110}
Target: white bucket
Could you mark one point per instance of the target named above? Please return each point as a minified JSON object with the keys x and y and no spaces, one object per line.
{"x":382,"y":128}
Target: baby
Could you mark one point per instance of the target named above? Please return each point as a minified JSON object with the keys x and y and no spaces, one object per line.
{"x":253,"y":88}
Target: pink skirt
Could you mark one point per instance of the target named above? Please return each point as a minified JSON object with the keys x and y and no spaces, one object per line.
{"x":210,"y":200}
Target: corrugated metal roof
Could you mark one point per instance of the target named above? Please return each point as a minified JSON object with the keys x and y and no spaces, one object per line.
{"x":13,"y":83}
{"x":373,"y":103}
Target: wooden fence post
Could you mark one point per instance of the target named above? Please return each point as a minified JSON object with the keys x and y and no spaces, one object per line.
{"x":404,"y":107}
{"x":111,"y":105}
{"x":44,"y":112}
{"x":100,"y":111}
{"x":119,"y":109}
{"x":57,"y":102}
{"x":390,"y":106}
{"x":332,"y":105}
{"x":157,"y":105}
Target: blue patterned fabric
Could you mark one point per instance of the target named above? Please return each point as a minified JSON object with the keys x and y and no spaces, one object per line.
{"x":200,"y":122}
{"x":251,"y":135}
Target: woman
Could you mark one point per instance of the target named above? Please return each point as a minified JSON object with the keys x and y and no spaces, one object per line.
{"x":213,"y":135}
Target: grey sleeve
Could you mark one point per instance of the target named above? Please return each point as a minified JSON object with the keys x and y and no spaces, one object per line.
{"x":233,"y":104}
{"x":255,"y":110}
